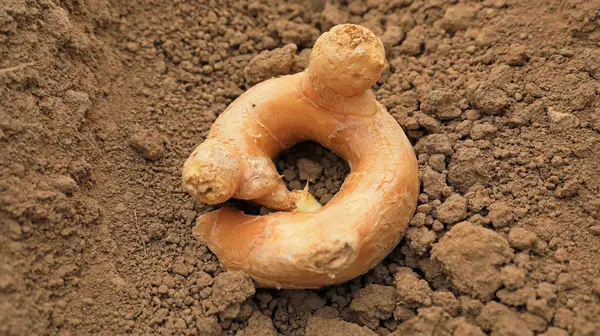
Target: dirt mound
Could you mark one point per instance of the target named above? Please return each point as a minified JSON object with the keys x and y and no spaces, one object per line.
{"x":102,"y":101}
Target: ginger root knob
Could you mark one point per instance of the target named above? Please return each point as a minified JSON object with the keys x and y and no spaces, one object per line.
{"x":211,"y":173}
{"x":348,"y":59}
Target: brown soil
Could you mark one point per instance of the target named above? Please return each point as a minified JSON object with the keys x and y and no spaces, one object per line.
{"x":102,"y":101}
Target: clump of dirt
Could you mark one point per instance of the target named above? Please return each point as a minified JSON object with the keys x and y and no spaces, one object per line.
{"x":101,"y":102}
{"x":312,"y":164}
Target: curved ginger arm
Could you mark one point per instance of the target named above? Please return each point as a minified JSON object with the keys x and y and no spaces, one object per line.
{"x":328,"y":103}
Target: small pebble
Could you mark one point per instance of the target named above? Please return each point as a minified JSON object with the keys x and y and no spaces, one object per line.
{"x":325,"y":198}
{"x":309,"y":170}
{"x":295,"y":185}
{"x":149,"y":144}
{"x":289,"y":174}
{"x":518,"y":96}
{"x":65,"y":184}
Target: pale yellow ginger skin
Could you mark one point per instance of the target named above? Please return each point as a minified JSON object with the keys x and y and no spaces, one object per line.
{"x":308,"y":246}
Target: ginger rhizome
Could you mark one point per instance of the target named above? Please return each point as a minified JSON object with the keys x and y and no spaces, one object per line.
{"x":306,"y":245}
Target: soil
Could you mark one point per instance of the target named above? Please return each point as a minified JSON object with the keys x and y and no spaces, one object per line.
{"x":102,"y":101}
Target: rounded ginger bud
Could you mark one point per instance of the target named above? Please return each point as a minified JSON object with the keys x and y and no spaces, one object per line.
{"x":212,"y":173}
{"x":348,"y":59}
